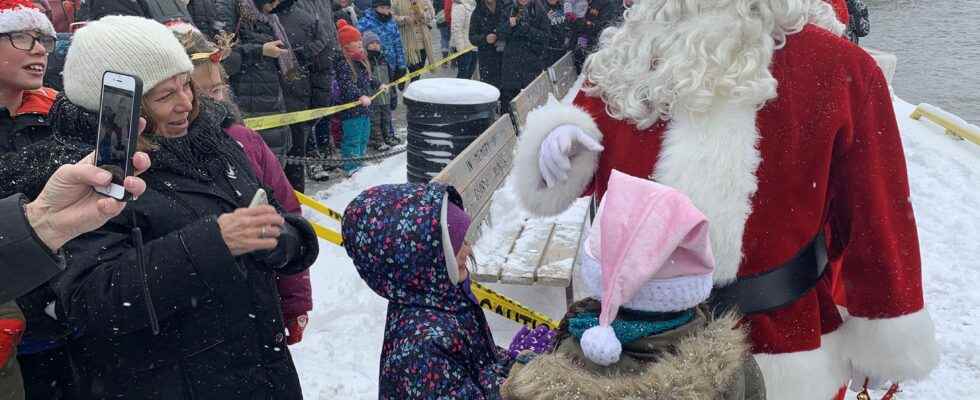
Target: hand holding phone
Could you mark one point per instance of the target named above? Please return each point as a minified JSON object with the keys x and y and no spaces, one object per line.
{"x":259,"y":199}
{"x":119,"y":128}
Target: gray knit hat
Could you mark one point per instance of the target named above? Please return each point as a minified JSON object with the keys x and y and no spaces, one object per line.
{"x":124,"y":44}
{"x":370,"y":37}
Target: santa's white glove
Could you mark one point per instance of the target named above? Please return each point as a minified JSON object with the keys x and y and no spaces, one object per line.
{"x":857,"y":382}
{"x":558,"y":148}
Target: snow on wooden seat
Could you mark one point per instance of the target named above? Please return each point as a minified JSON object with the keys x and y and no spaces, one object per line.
{"x":510,"y":246}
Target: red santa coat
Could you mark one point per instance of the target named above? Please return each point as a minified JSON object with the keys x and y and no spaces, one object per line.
{"x":825,"y":155}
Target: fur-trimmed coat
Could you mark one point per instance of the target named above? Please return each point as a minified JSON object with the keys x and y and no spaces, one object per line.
{"x":824,"y":156}
{"x":702,"y":360}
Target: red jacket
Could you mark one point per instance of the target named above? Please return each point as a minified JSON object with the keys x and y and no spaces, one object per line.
{"x":824,"y":156}
{"x":295,"y":293}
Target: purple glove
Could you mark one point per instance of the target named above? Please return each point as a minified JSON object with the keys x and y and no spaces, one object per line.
{"x":540,"y":340}
{"x":583,"y":42}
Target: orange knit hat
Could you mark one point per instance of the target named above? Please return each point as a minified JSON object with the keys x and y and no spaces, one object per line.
{"x":346,"y":33}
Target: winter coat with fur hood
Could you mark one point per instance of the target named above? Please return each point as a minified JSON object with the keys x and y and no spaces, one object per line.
{"x":198,"y":322}
{"x":705,"y":359}
{"x":437,"y":342}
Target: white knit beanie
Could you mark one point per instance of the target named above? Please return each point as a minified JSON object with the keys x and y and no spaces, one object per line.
{"x":22,"y":15}
{"x":124,"y":44}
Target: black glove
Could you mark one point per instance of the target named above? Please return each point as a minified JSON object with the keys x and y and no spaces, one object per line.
{"x":288,"y":248}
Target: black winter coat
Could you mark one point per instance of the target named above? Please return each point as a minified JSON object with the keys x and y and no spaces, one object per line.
{"x":20,"y":139}
{"x":221,"y":332}
{"x":214,"y":16}
{"x":484,"y":22}
{"x":315,"y":55}
{"x":524,"y":45}
{"x":255,"y":79}
{"x":159,"y":10}
{"x":25,"y":262}
{"x":559,"y":34}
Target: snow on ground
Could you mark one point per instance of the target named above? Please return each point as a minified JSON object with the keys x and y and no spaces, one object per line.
{"x":338,"y":359}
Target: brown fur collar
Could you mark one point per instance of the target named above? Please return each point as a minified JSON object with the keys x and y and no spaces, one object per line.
{"x":702,"y":367}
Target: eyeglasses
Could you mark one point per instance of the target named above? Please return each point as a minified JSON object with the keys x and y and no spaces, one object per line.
{"x":26,"y":42}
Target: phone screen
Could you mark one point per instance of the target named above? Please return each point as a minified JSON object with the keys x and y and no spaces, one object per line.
{"x":114,"y":128}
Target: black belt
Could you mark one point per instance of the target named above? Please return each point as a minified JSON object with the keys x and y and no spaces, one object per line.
{"x":776,"y":288}
{"x":769,"y":290}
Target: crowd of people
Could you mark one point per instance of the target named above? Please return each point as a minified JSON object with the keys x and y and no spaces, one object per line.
{"x":191,"y":293}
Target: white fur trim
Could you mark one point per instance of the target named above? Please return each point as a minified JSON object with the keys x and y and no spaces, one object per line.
{"x":896,"y":349}
{"x":713,"y":159}
{"x":452,"y":268}
{"x":599,"y":344}
{"x":537,"y":197}
{"x":23,"y":18}
{"x":657,"y":295}
{"x":806,"y":375}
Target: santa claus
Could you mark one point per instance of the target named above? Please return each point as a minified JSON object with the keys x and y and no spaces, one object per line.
{"x":783,"y":134}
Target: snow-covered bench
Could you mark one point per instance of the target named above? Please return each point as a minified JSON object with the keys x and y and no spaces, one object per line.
{"x":528,"y":251}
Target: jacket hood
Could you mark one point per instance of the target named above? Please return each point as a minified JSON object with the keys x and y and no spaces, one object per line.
{"x":394,"y":235}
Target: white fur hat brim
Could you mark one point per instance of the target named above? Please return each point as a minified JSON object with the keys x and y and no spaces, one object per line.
{"x":22,"y":18}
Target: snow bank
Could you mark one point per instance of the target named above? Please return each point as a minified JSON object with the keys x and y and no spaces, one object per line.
{"x":338,"y":359}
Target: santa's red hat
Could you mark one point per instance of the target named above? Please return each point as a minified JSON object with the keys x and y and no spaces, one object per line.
{"x":22,"y":15}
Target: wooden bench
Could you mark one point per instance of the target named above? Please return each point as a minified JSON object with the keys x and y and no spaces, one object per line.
{"x":535,"y":251}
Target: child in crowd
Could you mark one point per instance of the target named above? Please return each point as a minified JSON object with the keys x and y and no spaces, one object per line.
{"x":407,"y":243}
{"x":645,"y":334}
{"x":382,"y":134}
{"x":354,"y":79}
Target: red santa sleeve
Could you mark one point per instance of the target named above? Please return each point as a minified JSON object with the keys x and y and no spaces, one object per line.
{"x":889,"y":334}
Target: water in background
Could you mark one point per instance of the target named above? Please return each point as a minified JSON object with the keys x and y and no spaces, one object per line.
{"x":938,"y":47}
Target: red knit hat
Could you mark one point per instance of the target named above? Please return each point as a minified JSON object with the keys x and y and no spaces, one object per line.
{"x":22,"y":15}
{"x":346,"y":33}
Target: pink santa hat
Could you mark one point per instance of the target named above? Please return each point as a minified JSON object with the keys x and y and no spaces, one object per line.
{"x":648,"y":250}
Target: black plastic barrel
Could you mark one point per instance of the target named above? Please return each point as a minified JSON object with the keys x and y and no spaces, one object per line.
{"x":444,"y":116}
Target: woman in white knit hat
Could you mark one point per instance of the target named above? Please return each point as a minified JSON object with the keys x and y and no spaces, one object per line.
{"x":191,"y":310}
{"x":645,"y":334}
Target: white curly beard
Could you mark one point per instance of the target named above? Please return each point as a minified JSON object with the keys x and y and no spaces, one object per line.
{"x":689,"y":56}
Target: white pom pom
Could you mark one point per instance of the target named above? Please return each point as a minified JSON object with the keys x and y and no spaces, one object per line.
{"x":599,"y":343}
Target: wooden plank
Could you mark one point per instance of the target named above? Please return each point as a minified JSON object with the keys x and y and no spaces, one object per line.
{"x":482,"y":166}
{"x":562,"y":249}
{"x":531,"y":97}
{"x":488,"y":266}
{"x":563,"y":75}
{"x":524,"y":258}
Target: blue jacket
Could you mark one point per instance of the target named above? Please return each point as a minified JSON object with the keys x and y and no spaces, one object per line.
{"x":391,"y":37}
{"x":437,"y":342}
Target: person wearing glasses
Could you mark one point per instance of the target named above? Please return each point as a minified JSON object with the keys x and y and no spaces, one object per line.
{"x":26,"y":39}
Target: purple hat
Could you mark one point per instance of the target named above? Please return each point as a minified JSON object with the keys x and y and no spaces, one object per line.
{"x":459,"y":223}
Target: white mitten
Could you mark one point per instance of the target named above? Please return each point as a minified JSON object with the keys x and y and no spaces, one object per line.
{"x":563,"y":143}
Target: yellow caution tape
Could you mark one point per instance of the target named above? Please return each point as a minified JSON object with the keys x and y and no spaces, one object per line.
{"x":316,"y":205}
{"x":510,"y":309}
{"x":274,"y":121}
{"x":324,"y":233}
{"x":327,"y":234}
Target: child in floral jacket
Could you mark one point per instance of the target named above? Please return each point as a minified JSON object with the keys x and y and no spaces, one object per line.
{"x":406,"y":241}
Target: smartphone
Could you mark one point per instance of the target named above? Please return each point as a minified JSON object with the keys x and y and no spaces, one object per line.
{"x":259,"y":199}
{"x":119,"y":113}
